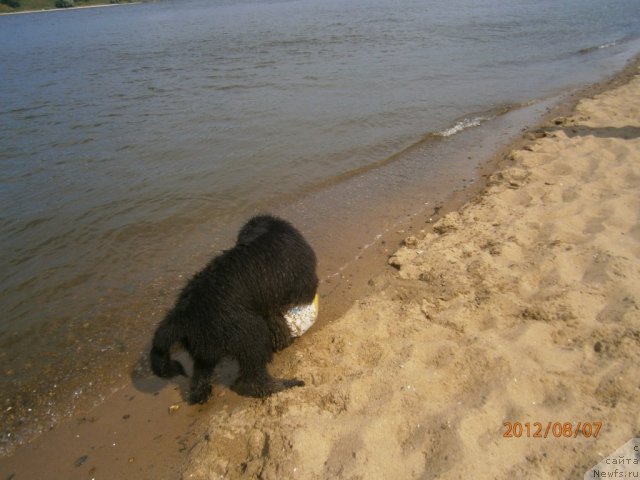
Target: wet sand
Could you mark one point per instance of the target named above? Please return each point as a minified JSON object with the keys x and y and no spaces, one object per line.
{"x":133,"y":434}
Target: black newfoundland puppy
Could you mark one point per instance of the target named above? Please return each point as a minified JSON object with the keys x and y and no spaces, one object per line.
{"x":235,"y":307}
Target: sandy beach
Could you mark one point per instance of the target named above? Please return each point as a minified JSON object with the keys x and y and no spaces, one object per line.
{"x":521,"y":307}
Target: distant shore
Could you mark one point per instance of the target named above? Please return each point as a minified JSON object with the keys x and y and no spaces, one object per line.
{"x":57,"y":9}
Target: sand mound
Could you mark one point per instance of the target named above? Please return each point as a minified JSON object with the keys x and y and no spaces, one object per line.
{"x":522,"y":307}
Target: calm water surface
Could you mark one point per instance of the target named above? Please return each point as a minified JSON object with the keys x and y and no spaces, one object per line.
{"x":133,"y":137}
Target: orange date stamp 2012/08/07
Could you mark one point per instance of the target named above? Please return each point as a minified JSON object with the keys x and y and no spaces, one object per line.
{"x":551,"y":429}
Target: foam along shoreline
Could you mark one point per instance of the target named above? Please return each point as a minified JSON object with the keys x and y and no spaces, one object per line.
{"x":521,"y":307}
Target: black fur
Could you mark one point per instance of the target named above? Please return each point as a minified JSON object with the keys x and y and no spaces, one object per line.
{"x":234,"y":307}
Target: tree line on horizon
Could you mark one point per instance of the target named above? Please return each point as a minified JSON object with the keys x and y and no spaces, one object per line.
{"x":36,"y":5}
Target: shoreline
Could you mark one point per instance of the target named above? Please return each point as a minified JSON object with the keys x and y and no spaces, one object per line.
{"x":155,"y":412}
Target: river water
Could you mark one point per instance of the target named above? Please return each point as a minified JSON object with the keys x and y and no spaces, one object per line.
{"x":134,"y":139}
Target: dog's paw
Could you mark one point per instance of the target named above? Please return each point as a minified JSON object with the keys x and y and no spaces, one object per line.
{"x":265,"y":388}
{"x":294,"y":382}
{"x":199,"y":396}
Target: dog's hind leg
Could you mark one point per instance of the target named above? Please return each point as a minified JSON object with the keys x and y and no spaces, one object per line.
{"x":280,"y":334}
{"x":253,"y":357}
{"x":200,"y":389}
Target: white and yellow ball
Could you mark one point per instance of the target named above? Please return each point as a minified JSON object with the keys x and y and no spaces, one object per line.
{"x":301,"y":317}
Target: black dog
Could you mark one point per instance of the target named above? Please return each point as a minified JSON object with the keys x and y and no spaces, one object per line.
{"x":234,"y":307}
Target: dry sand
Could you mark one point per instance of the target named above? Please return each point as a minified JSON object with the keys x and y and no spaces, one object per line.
{"x":523,"y":306}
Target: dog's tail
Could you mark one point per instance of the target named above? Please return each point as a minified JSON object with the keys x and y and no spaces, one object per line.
{"x":161,"y":363}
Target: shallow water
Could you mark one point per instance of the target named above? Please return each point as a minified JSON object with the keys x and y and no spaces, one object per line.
{"x":135,"y":139}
